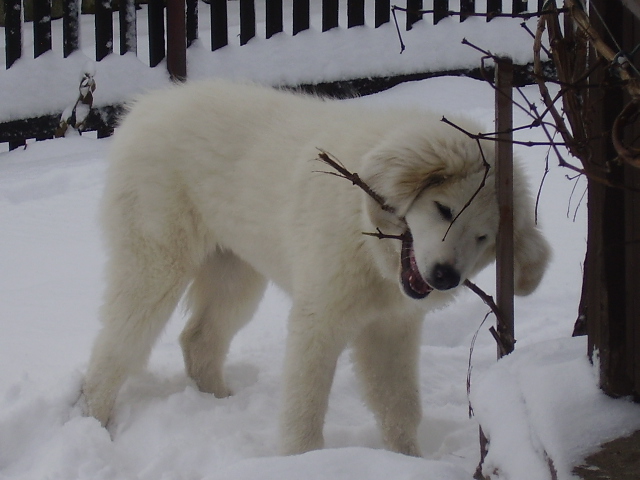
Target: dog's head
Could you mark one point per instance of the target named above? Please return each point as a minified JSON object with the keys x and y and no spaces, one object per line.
{"x":429,"y":176}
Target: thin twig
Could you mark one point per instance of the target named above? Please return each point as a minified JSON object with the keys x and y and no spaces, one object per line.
{"x":505,"y":341}
{"x":380,"y":235}
{"x":470,"y":367}
{"x":354,"y":178}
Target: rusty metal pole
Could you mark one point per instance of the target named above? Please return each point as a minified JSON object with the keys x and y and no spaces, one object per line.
{"x":176,"y":40}
{"x":504,"y":193}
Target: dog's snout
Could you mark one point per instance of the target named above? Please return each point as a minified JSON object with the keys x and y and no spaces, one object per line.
{"x":444,"y":277}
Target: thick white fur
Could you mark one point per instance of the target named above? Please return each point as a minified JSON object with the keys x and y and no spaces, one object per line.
{"x":214,"y":187}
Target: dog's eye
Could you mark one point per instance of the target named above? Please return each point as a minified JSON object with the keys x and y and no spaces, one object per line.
{"x":481,"y":238}
{"x":445,"y":212}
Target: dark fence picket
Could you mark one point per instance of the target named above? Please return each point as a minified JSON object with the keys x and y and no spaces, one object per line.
{"x":273,"y":17}
{"x":467,"y":8}
{"x":414,"y":12}
{"x":70,"y":27}
{"x":219,"y":24}
{"x":128,"y":27}
{"x":355,"y":13}
{"x":41,"y":27}
{"x":155,"y":15}
{"x":440,"y":10}
{"x":519,"y":6}
{"x":176,"y":40}
{"x":13,"y":30}
{"x":104,"y":29}
{"x":192,"y":21}
{"x":494,"y":7}
{"x":247,"y":21}
{"x":382,"y":12}
{"x":300,"y":16}
{"x":329,"y":14}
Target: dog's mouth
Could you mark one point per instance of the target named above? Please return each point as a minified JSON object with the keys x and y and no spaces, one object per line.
{"x":412,"y":282}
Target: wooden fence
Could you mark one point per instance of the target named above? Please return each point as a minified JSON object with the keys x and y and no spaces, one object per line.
{"x":171,"y":42}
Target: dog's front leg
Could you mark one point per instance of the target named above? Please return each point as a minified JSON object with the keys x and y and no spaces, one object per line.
{"x":386,"y":358}
{"x":313,"y":348}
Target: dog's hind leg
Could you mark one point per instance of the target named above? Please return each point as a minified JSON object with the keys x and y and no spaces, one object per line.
{"x":222,"y":298}
{"x":144,"y":284}
{"x":386,"y":359}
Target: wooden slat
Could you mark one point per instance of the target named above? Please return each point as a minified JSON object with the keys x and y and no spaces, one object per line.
{"x":355,"y":13}
{"x":13,"y":31}
{"x":176,"y":40}
{"x":273,"y":17}
{"x":192,"y":21}
{"x":41,"y":27}
{"x":466,"y":8}
{"x":382,"y":12}
{"x":300,"y":16}
{"x":219,"y":24}
{"x":440,"y":10}
{"x":104,"y":29}
{"x":156,"y":32}
{"x":494,"y":7}
{"x":413,"y":12}
{"x":519,"y":6}
{"x":247,"y":21}
{"x":128,"y":27}
{"x":329,"y":14}
{"x":70,"y":27}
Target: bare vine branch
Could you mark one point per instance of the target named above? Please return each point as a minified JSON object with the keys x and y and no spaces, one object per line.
{"x":354,"y":178}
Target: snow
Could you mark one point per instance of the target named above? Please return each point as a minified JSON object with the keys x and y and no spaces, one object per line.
{"x":540,"y":403}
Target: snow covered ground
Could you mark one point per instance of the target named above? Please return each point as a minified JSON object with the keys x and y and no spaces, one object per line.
{"x":540,"y":403}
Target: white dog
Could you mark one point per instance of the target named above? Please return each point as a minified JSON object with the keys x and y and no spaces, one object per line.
{"x":215,"y":187}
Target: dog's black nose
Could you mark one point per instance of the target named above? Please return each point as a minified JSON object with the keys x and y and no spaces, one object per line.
{"x":444,"y":277}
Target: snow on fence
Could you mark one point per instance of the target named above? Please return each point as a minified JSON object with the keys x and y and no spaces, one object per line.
{"x":170,"y":41}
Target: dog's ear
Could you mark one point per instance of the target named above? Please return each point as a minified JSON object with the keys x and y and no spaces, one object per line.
{"x":532,"y":254}
{"x":531,"y":250}
{"x":399,"y":179}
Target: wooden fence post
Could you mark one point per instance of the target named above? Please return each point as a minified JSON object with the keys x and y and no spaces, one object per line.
{"x":613,"y":250}
{"x":176,"y":40}
{"x":504,"y":193}
{"x":504,"y":242}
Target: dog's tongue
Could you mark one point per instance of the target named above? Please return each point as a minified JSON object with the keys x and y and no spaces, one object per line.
{"x":412,"y":281}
